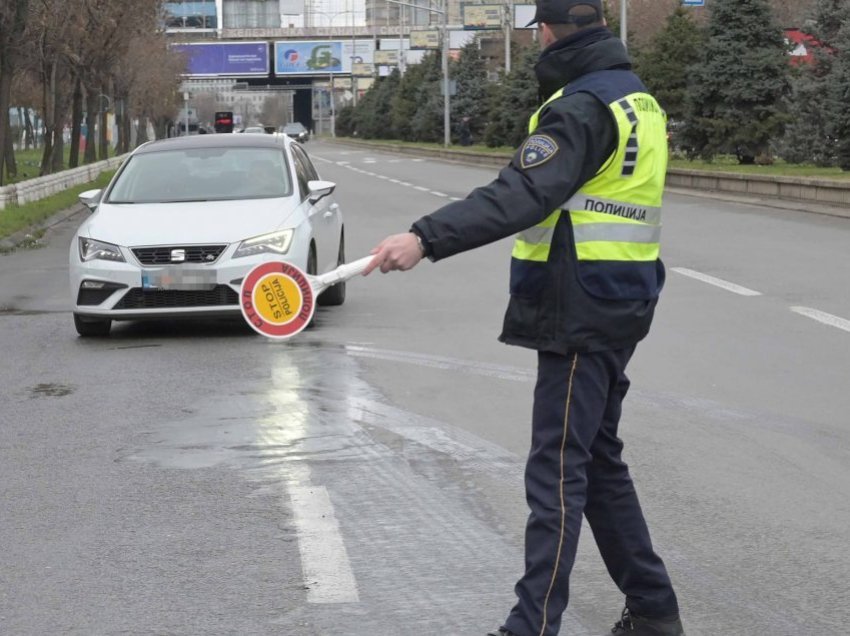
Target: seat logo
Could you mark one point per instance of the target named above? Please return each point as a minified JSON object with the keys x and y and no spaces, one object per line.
{"x":178,"y":256}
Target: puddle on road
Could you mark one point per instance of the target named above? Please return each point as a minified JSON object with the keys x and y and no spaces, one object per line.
{"x":51,"y":390}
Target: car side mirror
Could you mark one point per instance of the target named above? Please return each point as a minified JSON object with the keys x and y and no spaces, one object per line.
{"x":320,"y":189}
{"x":90,"y":199}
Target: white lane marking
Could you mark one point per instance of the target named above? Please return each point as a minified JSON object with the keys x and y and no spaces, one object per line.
{"x":321,"y":158}
{"x":405,"y":183}
{"x":420,"y":188}
{"x":370,"y":160}
{"x":822,"y":316}
{"x":439,"y":194}
{"x":324,"y":559}
{"x":717,"y":282}
{"x":455,"y":199}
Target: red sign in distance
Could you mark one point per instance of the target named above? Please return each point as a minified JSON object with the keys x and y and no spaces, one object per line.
{"x":277,"y":299}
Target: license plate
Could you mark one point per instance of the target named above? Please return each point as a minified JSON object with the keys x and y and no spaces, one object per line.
{"x":181,"y":278}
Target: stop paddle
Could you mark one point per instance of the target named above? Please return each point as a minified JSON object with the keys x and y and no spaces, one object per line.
{"x":278,"y":299}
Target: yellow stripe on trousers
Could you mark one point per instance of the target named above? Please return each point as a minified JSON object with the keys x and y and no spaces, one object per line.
{"x":561,"y":493}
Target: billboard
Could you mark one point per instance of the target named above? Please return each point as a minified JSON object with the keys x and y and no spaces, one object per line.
{"x":425,"y":39}
{"x":482,"y":16}
{"x":232,"y":59}
{"x":361,"y":69}
{"x":388,"y":58}
{"x":320,"y":57}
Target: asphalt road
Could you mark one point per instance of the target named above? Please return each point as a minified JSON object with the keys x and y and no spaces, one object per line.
{"x":365,"y":478}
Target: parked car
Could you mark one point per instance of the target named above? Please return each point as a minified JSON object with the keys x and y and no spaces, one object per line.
{"x":254,"y":130}
{"x":185,"y":219}
{"x":297,"y":131}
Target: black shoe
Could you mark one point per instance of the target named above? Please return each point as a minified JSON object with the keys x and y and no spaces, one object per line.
{"x":501,"y":632}
{"x":634,"y":625}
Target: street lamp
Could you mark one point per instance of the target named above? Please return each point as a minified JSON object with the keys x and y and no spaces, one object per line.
{"x":444,"y":28}
{"x":624,"y":19}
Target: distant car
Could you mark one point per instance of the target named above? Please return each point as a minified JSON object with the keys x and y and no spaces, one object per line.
{"x":185,"y":219}
{"x":254,"y":130}
{"x":297,"y":131}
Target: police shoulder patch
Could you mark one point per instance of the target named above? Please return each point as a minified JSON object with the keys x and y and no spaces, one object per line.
{"x":537,"y":150}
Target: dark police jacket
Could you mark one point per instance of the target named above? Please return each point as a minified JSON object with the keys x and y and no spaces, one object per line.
{"x":559,"y":315}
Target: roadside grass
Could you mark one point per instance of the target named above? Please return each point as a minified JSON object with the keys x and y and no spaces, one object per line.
{"x":20,"y":217}
{"x":29,"y":163}
{"x":726,"y":163}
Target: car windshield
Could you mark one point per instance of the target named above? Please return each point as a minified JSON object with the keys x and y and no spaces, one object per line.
{"x":294,"y":128}
{"x":202,"y":174}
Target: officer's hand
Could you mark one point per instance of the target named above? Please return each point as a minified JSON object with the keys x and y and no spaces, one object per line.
{"x":396,"y":252}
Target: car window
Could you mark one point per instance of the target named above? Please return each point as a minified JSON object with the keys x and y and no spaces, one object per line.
{"x":301,"y":172}
{"x":312,"y":175}
{"x":202,"y":174}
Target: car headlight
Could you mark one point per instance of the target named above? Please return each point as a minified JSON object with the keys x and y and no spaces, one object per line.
{"x":273,"y":243}
{"x":91,"y":250}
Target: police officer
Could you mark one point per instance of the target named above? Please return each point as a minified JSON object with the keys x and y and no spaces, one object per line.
{"x":583,"y":196}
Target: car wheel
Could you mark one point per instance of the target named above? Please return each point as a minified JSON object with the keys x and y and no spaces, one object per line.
{"x":334,"y":296}
{"x":92,"y":327}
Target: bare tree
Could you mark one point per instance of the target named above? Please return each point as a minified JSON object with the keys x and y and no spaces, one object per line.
{"x":13,"y":23}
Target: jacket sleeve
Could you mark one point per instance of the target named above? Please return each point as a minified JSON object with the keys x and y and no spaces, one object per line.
{"x":584,"y":134}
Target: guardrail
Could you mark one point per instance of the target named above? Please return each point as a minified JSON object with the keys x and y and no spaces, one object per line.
{"x":41,"y":187}
{"x":825,"y":192}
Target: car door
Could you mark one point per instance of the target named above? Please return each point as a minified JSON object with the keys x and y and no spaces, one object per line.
{"x":324,"y":215}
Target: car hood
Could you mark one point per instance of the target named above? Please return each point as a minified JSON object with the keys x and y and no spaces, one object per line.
{"x":194,"y":222}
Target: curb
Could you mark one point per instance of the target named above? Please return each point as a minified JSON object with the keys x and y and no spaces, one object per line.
{"x":16,"y":239}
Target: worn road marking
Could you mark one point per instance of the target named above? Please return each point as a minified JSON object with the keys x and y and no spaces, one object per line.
{"x":717,"y":282}
{"x":822,"y":316}
{"x":324,"y":559}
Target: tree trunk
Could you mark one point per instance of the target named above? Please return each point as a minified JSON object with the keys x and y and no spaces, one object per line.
{"x":160,"y":126}
{"x":141,"y":130}
{"x":5,"y":98}
{"x":91,"y":120}
{"x":49,"y":99}
{"x":57,"y":162}
{"x":11,"y":165}
{"x":76,"y":124}
{"x":126,"y":128}
{"x":104,"y":130}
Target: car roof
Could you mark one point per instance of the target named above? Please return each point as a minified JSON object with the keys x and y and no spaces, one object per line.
{"x":218,"y":140}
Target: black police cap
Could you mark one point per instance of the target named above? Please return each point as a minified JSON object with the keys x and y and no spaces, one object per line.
{"x":558,"y":12}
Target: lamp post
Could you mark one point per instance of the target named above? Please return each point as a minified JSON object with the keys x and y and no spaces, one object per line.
{"x":624,"y":21}
{"x":444,"y":13}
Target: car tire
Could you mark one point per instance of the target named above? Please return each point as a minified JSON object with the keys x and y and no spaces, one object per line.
{"x":335,"y":295}
{"x":92,"y":327}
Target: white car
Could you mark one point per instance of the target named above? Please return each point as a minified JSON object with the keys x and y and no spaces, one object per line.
{"x":185,"y":219}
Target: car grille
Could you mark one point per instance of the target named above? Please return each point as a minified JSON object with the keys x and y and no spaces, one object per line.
{"x":194,"y":254}
{"x":137,"y":298}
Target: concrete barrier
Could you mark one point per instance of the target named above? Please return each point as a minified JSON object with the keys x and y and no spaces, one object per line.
{"x":41,"y":187}
{"x":820,"y":191}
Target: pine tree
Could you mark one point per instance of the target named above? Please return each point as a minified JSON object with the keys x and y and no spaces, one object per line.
{"x":838,"y":127}
{"x":807,"y":137}
{"x":372,"y":114}
{"x":663,"y":65}
{"x":427,"y":121}
{"x":472,"y":89}
{"x":404,"y":105}
{"x":514,"y":102}
{"x":734,"y":105}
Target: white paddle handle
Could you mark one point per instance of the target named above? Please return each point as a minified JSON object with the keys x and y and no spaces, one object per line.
{"x":341,"y":273}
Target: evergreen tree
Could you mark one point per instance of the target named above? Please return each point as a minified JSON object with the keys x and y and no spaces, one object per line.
{"x":734,"y":105}
{"x":514,"y":102}
{"x":404,"y":105}
{"x":427,"y":121}
{"x":838,"y":127}
{"x":663,"y":66}
{"x":807,"y":136}
{"x":372,"y":114}
{"x":471,"y":99}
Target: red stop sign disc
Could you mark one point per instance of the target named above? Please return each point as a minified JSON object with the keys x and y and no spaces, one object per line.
{"x":277,"y":299}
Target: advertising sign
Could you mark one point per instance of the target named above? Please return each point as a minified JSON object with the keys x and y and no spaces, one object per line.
{"x":386,"y":58}
{"x":482,"y":16}
{"x":523,"y":14}
{"x":361,"y":69}
{"x":307,"y":58}
{"x":232,"y":59}
{"x":320,"y":57}
{"x":425,"y":39}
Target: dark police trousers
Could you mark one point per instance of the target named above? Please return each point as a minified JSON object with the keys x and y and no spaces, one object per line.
{"x":575,"y":467}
